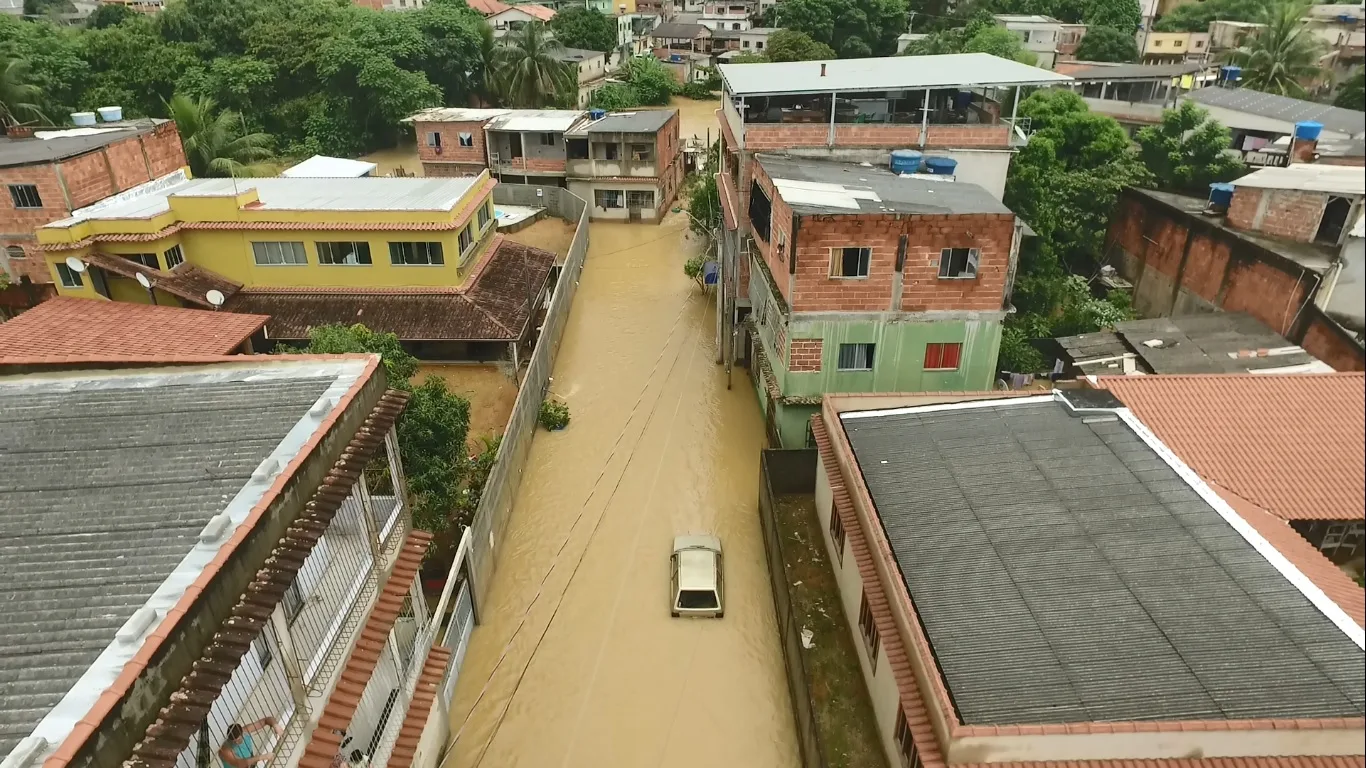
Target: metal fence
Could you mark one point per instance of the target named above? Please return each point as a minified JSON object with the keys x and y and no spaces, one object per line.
{"x":500,"y":491}
{"x":783,"y":472}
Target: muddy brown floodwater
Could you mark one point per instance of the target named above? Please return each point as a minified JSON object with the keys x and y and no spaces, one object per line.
{"x":657,"y":446}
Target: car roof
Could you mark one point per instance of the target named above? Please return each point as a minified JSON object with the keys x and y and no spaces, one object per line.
{"x":705,"y":541}
{"x":697,"y":569}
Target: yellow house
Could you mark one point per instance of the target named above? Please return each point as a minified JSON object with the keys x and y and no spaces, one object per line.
{"x":406,"y":255}
{"x":1175,"y":46}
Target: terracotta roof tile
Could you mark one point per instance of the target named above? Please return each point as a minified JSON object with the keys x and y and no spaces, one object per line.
{"x":424,"y":696}
{"x":71,"y":327}
{"x":497,"y":306}
{"x":488,"y":7}
{"x":186,"y":282}
{"x":1292,"y":445}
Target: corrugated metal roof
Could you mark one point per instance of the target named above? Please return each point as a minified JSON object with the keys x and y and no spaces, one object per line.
{"x":323,"y":167}
{"x":1312,"y":177}
{"x":454,"y":115}
{"x":1135,"y":72}
{"x":1270,"y":105}
{"x":1064,"y":573}
{"x":953,"y":70}
{"x":547,"y":120}
{"x":643,"y":121}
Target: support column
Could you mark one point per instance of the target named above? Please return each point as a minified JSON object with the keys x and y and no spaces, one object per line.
{"x":372,"y":532}
{"x":1014,"y":108}
{"x":924,"y":117}
{"x":289,"y":658}
{"x":830,"y":139}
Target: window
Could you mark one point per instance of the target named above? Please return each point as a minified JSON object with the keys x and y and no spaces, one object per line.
{"x":905,"y":744}
{"x":485,"y":213}
{"x":610,"y":151}
{"x":1199,"y":43}
{"x":148,"y":260}
{"x":607,"y":198}
{"x":850,"y":262}
{"x":958,"y":263}
{"x":345,"y":252}
{"x":275,"y":254}
{"x":1157,"y":43}
{"x":836,"y":531}
{"x":868,"y":628}
{"x":547,"y":139}
{"x":641,"y":153}
{"x":25,"y":196}
{"x":640,"y":199}
{"x":416,"y":254}
{"x":744,"y":44}
{"x":759,"y":44}
{"x":760,"y":211}
{"x":13,"y":252}
{"x":735,"y":27}
{"x":1176,"y":43}
{"x":264,"y":654}
{"x":576,"y":149}
{"x":855,"y":357}
{"x":465,"y":139}
{"x":174,"y":256}
{"x":466,"y":239}
{"x":943,"y":356}
{"x":69,"y":277}
{"x":434,"y":139}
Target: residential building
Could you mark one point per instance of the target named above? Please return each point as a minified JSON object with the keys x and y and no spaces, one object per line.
{"x":728,"y":15}
{"x":866,"y":281}
{"x":998,"y":610}
{"x":858,"y":110}
{"x":662,"y":10}
{"x":1069,"y":39}
{"x":1147,"y":10}
{"x":1135,"y":95}
{"x":904,"y":40}
{"x":1342,"y":29}
{"x":140,"y":6}
{"x":257,"y":564}
{"x":590,"y":68}
{"x":1225,"y":36}
{"x":755,"y":39}
{"x":1276,"y":253}
{"x":627,"y":166}
{"x":487,"y":8}
{"x":724,"y":41}
{"x":1039,"y":34}
{"x":417,"y":257}
{"x":1298,"y":463}
{"x":53,"y":172}
{"x":1175,"y":47}
{"x":70,"y":329}
{"x":513,"y":18}
{"x":633,"y":33}
{"x":673,"y":41}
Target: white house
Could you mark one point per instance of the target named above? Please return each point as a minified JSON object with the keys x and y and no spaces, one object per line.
{"x":1039,"y":34}
{"x":514,"y":18}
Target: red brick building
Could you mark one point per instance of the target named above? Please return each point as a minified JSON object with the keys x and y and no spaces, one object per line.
{"x":52,"y":173}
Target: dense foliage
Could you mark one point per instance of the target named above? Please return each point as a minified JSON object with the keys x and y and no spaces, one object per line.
{"x":792,"y":45}
{"x":1195,"y":17}
{"x":1284,"y":56}
{"x":1124,"y":15}
{"x":980,"y":34}
{"x":579,"y":27}
{"x":851,"y":28}
{"x":431,"y":432}
{"x":1107,"y":44}
{"x":318,"y":75}
{"x":1351,"y":92}
{"x":215,"y":141}
{"x":19,"y":96}
{"x":1187,"y":150}
{"x":528,"y":71}
{"x":645,"y":82}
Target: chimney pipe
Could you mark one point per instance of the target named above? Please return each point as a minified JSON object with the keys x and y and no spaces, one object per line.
{"x":822,"y":69}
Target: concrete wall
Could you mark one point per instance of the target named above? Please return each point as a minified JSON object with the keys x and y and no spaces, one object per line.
{"x":490,"y":519}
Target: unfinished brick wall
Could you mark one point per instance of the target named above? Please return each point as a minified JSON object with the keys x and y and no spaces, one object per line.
{"x":1288,"y":213}
{"x":777,"y":250}
{"x":544,"y":165}
{"x":1331,"y":343}
{"x":450,"y":150}
{"x":88,"y":178}
{"x":923,"y":288}
{"x":770,"y":136}
{"x":806,"y":355}
{"x":163,"y":150}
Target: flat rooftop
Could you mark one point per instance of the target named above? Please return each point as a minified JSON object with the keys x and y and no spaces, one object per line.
{"x":60,"y":143}
{"x":538,"y":120}
{"x":1269,"y":105}
{"x":1025,"y":18}
{"x":890,"y":73}
{"x":1309,"y":177}
{"x":1134,"y":72}
{"x":1215,"y":342}
{"x":324,"y":167}
{"x":1064,"y":572}
{"x":297,"y":194}
{"x":642,"y":121}
{"x":108,"y":477}
{"x":819,"y":186}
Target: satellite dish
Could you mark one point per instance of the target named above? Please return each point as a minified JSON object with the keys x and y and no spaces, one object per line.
{"x":143,"y":281}
{"x":215,"y":297}
{"x":74,"y":264}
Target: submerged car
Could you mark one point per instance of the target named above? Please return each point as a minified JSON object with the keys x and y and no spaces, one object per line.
{"x":696,"y":584}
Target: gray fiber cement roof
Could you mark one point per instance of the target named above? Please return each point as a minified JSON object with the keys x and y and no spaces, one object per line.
{"x":1269,"y":105}
{"x":828,"y":187}
{"x":102,"y":493}
{"x":1064,"y":573}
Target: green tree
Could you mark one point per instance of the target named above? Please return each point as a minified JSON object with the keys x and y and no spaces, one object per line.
{"x":527,"y":65}
{"x":614,"y":96}
{"x":1188,"y":151}
{"x":109,"y":15}
{"x":650,"y":79}
{"x":18,"y":97}
{"x":980,"y":34}
{"x":853,"y":28}
{"x":1281,"y":57}
{"x":1107,"y":44}
{"x":791,"y":45}
{"x":580,"y":27}
{"x":216,"y":142}
{"x":1195,"y":17}
{"x":1352,"y":92}
{"x":1123,"y":15}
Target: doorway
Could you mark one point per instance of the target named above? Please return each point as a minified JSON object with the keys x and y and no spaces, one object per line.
{"x":1334,"y":220}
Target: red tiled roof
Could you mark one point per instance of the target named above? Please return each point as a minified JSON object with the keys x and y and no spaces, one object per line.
{"x":487,"y":7}
{"x":539,"y":11}
{"x":80,"y":328}
{"x":186,"y":282}
{"x":1291,"y":445}
{"x":497,"y":306}
{"x":428,"y":685}
{"x":360,"y":665}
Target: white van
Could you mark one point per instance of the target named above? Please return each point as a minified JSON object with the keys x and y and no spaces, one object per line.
{"x":696,"y":584}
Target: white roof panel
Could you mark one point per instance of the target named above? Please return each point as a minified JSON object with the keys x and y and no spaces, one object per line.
{"x":892,"y":73}
{"x":1335,"y":179}
{"x":324,"y":167}
{"x":454,"y":115}
{"x":549,"y":120}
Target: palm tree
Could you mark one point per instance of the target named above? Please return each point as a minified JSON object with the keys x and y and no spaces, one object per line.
{"x":487,"y":88}
{"x":527,"y":66}
{"x":18,"y":97}
{"x":216,"y":143}
{"x":1283,"y":55}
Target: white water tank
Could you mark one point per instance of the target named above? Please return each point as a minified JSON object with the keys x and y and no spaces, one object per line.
{"x":83,"y":118}
{"x":110,"y":114}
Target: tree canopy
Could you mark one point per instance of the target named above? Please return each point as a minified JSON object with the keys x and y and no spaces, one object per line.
{"x":791,"y":45}
{"x":646,"y":82}
{"x":18,"y":96}
{"x":980,"y":34}
{"x":1107,"y":44}
{"x":528,"y":69}
{"x":215,"y":141}
{"x":579,"y":27}
{"x":852,"y":28}
{"x":1282,"y":57}
{"x":1123,"y":15}
{"x":1352,"y":92}
{"x":1188,"y":151}
{"x":1195,"y":17}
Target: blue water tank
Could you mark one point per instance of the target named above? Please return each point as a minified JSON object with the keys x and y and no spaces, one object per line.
{"x":905,"y":161}
{"x":962,"y":99}
{"x":1308,"y":130}
{"x":941,"y":166}
{"x":1230,"y":74}
{"x":597,"y":114}
{"x":676,"y":58}
{"x":1220,"y":194}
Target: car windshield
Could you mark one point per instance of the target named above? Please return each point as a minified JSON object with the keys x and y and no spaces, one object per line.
{"x":696,"y":599}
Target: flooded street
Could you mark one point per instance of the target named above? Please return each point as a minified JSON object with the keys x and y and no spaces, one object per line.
{"x":599,"y":675}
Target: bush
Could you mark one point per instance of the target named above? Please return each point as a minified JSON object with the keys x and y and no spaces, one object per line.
{"x":697,"y":90}
{"x":693,"y":269}
{"x":554,"y":415}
